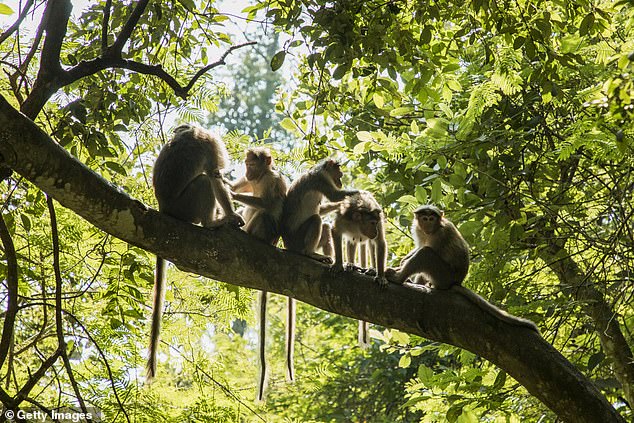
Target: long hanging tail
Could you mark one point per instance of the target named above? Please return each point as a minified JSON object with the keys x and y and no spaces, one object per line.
{"x":290,"y":340}
{"x":262,"y":376}
{"x":157,"y":313}
{"x":364,"y":327}
{"x":364,"y":338}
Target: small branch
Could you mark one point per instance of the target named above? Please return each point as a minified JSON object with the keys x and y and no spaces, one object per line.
{"x":219,"y":62}
{"x":25,"y":10}
{"x":12,"y":291}
{"x":105,"y":361}
{"x":59,"y":325}
{"x":104,"y":26}
{"x":126,"y":32}
{"x":35,"y":378}
{"x":93,"y":66}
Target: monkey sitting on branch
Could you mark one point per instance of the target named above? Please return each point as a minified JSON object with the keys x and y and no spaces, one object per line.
{"x":442,"y":257}
{"x":188,"y":186}
{"x":302,"y":228}
{"x":359,"y":222}
{"x":301,"y":220}
{"x":263,"y":215}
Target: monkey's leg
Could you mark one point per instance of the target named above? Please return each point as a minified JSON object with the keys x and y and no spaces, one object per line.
{"x":325,"y":240}
{"x":337,"y":238}
{"x":220,"y":192}
{"x":425,"y":260}
{"x":263,"y":226}
{"x":193,"y":204}
{"x":351,"y":252}
{"x":310,"y":233}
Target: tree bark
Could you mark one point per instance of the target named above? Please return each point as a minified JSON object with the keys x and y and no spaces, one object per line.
{"x":230,"y":255}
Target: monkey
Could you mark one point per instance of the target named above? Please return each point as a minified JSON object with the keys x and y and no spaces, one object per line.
{"x":359,"y":220}
{"x":187,"y":184}
{"x":263,"y":214}
{"x":303,"y":229}
{"x":301,"y":221}
{"x":442,"y":256}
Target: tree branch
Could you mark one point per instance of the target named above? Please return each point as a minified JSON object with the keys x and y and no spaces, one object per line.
{"x":55,"y":22}
{"x":117,"y":47}
{"x":25,"y":10}
{"x":230,"y":255}
{"x":12,"y":291}
{"x":217,"y":63}
{"x":59,"y":323}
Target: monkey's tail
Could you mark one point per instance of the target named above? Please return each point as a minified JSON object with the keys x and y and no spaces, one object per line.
{"x":290,"y":340}
{"x":364,"y":338}
{"x":157,"y":313}
{"x":262,"y":376}
{"x":493,"y":310}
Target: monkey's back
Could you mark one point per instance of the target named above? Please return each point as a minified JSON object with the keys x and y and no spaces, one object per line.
{"x":302,"y":201}
{"x":191,"y":152}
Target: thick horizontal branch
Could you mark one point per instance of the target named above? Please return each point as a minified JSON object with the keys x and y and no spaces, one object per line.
{"x":230,"y":255}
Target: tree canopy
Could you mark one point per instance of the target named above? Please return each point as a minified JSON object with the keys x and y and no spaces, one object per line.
{"x":514,"y":117}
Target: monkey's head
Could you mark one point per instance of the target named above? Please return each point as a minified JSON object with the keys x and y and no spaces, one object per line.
{"x":428,"y":218}
{"x":333,"y":170}
{"x":257,"y":161}
{"x":368,"y":222}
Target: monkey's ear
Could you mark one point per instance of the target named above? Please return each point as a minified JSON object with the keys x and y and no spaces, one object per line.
{"x":268,"y":160}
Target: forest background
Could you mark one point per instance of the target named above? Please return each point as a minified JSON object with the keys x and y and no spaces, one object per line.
{"x":515,"y":117}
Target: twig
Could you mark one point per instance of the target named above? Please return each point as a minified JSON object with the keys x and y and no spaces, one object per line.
{"x":58,"y":305}
{"x":12,"y":291}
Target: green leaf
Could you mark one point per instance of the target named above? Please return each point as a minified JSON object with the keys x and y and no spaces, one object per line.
{"x":362,"y":147}
{"x":364,"y":136}
{"x":405,"y":361}
{"x":408,"y":199}
{"x":425,"y":374}
{"x":288,"y":124}
{"x":400,"y":111}
{"x":278,"y":60}
{"x":421,"y":195}
{"x":586,"y":24}
{"x":378,"y":99}
{"x":5,"y":10}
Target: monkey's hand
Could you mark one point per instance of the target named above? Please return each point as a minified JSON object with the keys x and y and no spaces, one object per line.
{"x":233,"y":219}
{"x":336,"y":268}
{"x":321,"y":258}
{"x":381,"y":280}
{"x":393,"y":275}
{"x":349,"y":267}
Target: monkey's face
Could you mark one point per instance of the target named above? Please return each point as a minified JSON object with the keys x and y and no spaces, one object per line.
{"x":368,"y":223}
{"x":334,"y":171}
{"x":428,"y":221}
{"x":254,"y":167}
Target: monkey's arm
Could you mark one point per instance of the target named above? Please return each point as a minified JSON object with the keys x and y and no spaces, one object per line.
{"x":242,"y":185}
{"x":223,"y":197}
{"x":250,"y":200}
{"x":327,"y":208}
{"x":333,"y":193}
